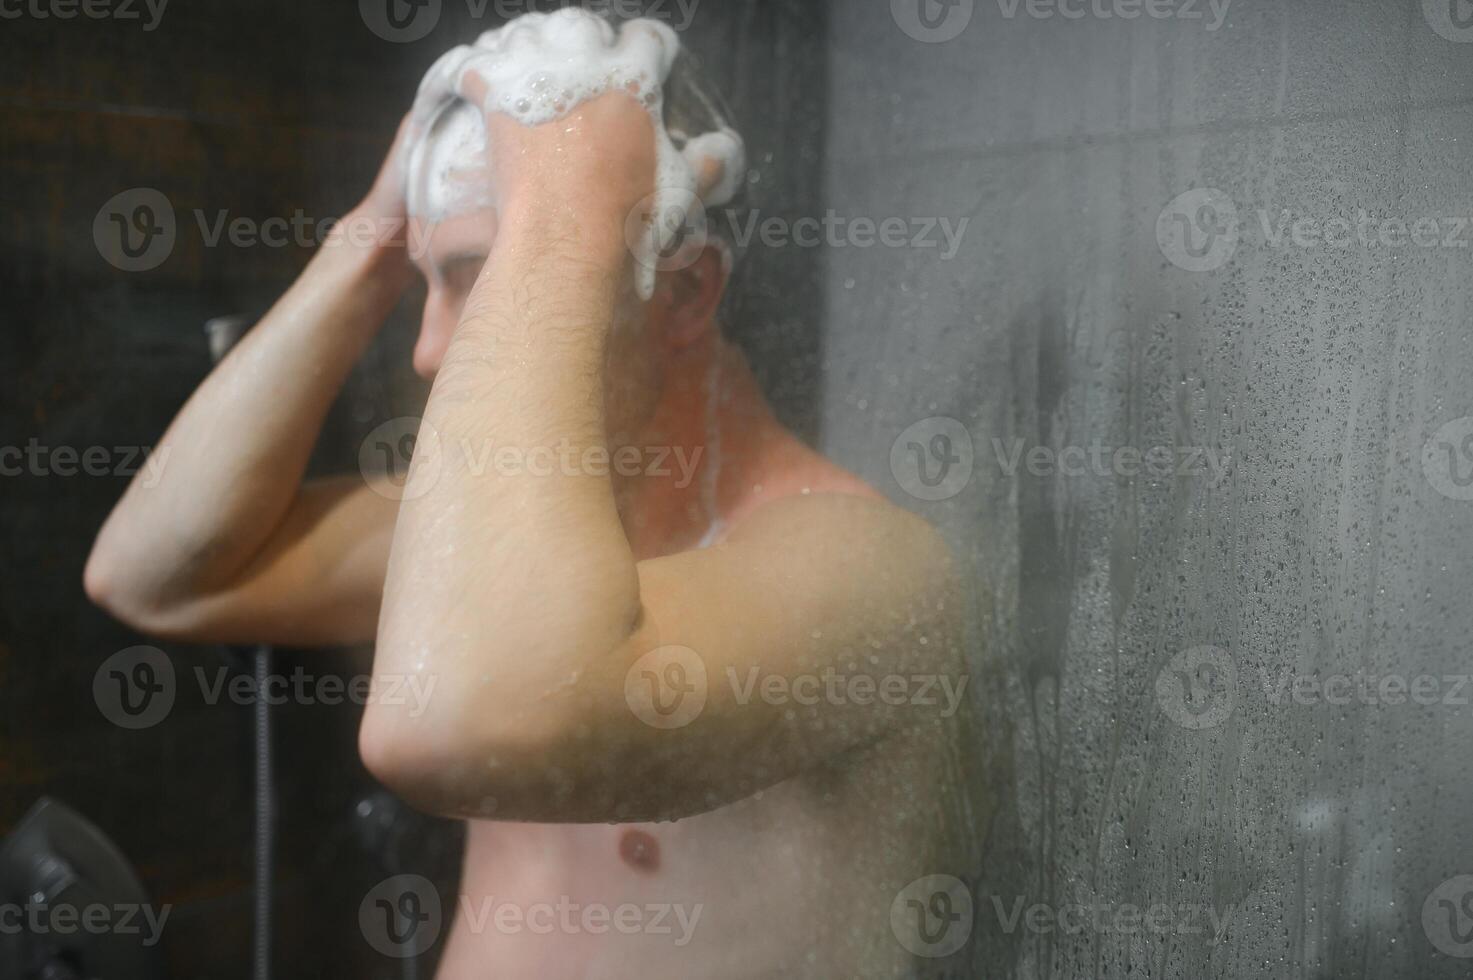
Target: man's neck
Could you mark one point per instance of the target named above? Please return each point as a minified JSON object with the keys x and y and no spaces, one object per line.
{"x":718,"y":436}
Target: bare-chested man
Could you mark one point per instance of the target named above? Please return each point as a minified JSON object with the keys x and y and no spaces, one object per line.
{"x":653,"y":689}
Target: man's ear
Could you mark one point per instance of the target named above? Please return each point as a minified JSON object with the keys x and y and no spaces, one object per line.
{"x":687,"y":299}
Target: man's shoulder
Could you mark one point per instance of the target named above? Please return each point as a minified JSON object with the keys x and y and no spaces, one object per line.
{"x":838,"y":516}
{"x":803,"y":479}
{"x":805,"y":503}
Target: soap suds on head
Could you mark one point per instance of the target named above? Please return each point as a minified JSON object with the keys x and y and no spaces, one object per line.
{"x":725,"y":147}
{"x":539,"y":68}
{"x":446,"y":170}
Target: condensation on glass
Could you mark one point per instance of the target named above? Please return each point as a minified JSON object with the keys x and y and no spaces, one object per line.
{"x":1205,"y":348}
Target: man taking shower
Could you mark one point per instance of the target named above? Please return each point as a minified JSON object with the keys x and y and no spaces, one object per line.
{"x":692,"y":717}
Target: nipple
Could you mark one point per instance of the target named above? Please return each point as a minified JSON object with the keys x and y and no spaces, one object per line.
{"x":640,"y":851}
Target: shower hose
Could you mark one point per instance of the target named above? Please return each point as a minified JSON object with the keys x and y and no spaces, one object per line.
{"x":223,"y":334}
{"x":264,"y":829}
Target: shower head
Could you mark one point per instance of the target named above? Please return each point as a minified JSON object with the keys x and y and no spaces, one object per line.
{"x":56,"y":859}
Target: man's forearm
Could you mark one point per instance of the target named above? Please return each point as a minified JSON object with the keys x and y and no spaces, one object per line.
{"x":504,"y":580}
{"x":230,"y":464}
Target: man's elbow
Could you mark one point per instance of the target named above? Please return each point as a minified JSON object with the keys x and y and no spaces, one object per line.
{"x":108,"y":584}
{"x":476,"y":755}
{"x":121,"y":590}
{"x":99,"y":581}
{"x":392,"y":758}
{"x":454,"y":760}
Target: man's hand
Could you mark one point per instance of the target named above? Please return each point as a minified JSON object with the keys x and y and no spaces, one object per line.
{"x":569,"y":109}
{"x":380,"y":222}
{"x":597,"y":161}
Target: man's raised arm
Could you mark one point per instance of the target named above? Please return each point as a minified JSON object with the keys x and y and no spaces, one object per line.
{"x":518,"y":593}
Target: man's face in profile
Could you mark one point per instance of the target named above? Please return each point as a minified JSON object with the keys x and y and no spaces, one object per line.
{"x":450,"y":255}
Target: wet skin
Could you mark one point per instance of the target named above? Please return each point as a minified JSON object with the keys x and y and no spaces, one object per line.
{"x":781,"y":832}
{"x":808,"y":865}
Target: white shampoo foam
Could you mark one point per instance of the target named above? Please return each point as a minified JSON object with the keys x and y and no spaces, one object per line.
{"x":539,"y":68}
